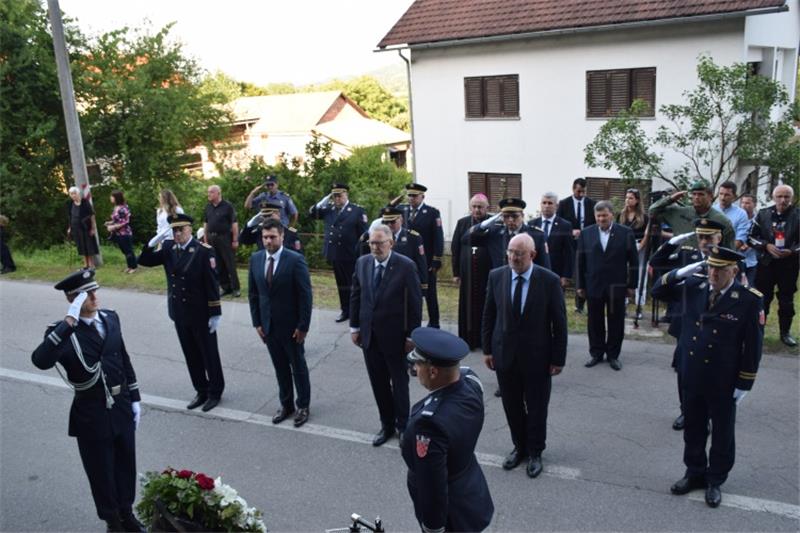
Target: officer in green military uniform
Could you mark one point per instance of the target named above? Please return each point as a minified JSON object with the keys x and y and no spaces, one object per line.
{"x":681,"y":218}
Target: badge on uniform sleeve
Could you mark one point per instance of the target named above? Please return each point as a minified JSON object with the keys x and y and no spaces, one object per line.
{"x":422,"y":446}
{"x":212,"y":262}
{"x":438,"y":221}
{"x":762,"y":317}
{"x":421,"y":250}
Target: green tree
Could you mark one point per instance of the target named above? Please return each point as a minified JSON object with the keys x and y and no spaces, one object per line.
{"x":33,"y":146}
{"x":724,"y":122}
{"x":220,"y":85}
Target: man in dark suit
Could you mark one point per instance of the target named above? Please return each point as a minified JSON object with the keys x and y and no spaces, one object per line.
{"x":578,"y":210}
{"x":525,"y":342}
{"x":193,"y":305}
{"x":426,"y":220}
{"x":721,"y":338}
{"x":608,"y":264}
{"x":445,"y":481}
{"x":471,"y":266}
{"x":344,"y":224}
{"x":279,"y":292}
{"x":496,"y":235}
{"x":105,"y":412}
{"x":386,"y":305}
{"x":558,"y":235}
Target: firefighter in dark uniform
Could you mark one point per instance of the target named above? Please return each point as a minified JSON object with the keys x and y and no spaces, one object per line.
{"x":251,"y":233}
{"x":720,"y":341}
{"x":426,"y":220}
{"x":344,"y":224}
{"x":193,"y":305}
{"x":105,"y":411}
{"x":445,"y":481}
{"x":674,"y":254}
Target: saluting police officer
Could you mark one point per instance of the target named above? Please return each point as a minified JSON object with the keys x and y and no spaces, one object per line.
{"x":445,"y":481}
{"x":251,"y":233}
{"x":426,"y":220}
{"x":105,"y":411}
{"x":344,"y":224}
{"x":287,"y":210}
{"x":193,"y":305}
{"x":720,"y":339}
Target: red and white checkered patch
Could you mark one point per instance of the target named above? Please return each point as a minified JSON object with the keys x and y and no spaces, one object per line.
{"x":422,"y":446}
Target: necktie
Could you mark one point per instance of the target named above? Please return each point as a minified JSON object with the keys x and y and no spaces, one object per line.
{"x":270,"y":270}
{"x":179,"y":251}
{"x":376,"y":279}
{"x":546,"y":229}
{"x":579,"y":215}
{"x":712,"y":300}
{"x":413,"y":214}
{"x":517,"y":303}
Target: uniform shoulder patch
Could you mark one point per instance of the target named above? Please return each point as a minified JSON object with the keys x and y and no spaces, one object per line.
{"x":756,"y":292}
{"x":206,"y":245}
{"x":687,"y":247}
{"x":536,"y":228}
{"x":293,"y":230}
{"x":413,"y":232}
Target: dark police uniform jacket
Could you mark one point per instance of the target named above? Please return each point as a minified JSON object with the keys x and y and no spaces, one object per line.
{"x":496,"y":237}
{"x":342,"y":231}
{"x":445,"y":481}
{"x":90,"y":416}
{"x":253,"y":236}
{"x":192,"y":285}
{"x":408,"y":243}
{"x":428,"y":223}
{"x":721,"y":346}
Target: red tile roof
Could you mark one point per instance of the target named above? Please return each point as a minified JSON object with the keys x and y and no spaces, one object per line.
{"x":429,"y":21}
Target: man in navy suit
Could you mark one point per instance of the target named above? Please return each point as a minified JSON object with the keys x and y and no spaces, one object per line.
{"x":578,"y":210}
{"x":105,"y":411}
{"x":386,"y":305}
{"x":608,"y":264}
{"x":524,"y":335}
{"x":279,"y":291}
{"x":558,"y":235}
{"x":345,"y":222}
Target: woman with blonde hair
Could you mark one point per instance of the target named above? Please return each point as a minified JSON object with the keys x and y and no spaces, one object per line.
{"x":82,"y":226}
{"x":167,"y":206}
{"x":633,"y":216}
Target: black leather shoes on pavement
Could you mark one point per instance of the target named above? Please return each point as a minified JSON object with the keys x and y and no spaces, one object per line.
{"x":342,"y":317}
{"x":282,"y":414}
{"x":679,"y":423}
{"x":131,"y":523}
{"x":197,"y":401}
{"x":210,"y":404}
{"x":534,"y":466}
{"x":788,"y":340}
{"x":382,"y":436}
{"x":593,"y":362}
{"x":513,"y":459}
{"x":713,"y":496}
{"x":301,"y":417}
{"x":687,"y":484}
{"x":616,"y":364}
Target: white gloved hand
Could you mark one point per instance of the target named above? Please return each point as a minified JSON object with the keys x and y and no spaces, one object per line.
{"x":254,"y":221}
{"x":137,"y":414}
{"x":75,"y":307}
{"x":689,"y":269}
{"x":324,"y":201}
{"x":213,"y":323}
{"x":738,"y":395}
{"x":159,"y":238}
{"x":491,"y":220}
{"x":677,"y":239}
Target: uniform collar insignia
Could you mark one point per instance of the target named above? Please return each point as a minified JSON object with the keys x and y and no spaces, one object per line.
{"x":734,"y":294}
{"x":703,"y":285}
{"x":191,"y":249}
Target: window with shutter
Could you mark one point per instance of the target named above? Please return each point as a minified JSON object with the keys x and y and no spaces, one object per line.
{"x":495,"y":186}
{"x":614,"y":189}
{"x":491,"y":96}
{"x":610,"y":91}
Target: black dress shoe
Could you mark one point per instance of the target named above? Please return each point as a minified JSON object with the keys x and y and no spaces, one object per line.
{"x":687,"y":484}
{"x":616,"y":364}
{"x":131,"y":523}
{"x":197,"y":401}
{"x":382,"y":436}
{"x":115,"y":525}
{"x":210,"y":404}
{"x":534,"y":466}
{"x":226,"y":292}
{"x":713,"y":496}
{"x":342,"y":317}
{"x":282,"y":414}
{"x":593,"y":361}
{"x":788,"y":340}
{"x":513,"y":459}
{"x":498,"y":393}
{"x":237,"y":293}
{"x":679,"y":423}
{"x":301,"y":417}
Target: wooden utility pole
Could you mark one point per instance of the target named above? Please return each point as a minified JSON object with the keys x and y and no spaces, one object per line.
{"x":74,"y":137}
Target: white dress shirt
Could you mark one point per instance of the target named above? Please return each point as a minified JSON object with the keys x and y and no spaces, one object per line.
{"x":95,"y":322}
{"x":276,"y":257}
{"x":604,"y":235}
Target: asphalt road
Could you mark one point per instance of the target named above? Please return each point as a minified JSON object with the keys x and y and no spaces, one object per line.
{"x":611,"y":455}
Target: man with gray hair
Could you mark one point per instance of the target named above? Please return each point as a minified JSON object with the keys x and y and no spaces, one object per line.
{"x":608,"y":266}
{"x":558,"y":236}
{"x":385,"y":307}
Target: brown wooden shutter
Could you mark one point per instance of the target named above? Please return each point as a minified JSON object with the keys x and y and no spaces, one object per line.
{"x":620,"y":87}
{"x":643,"y":84}
{"x":473,"y":97}
{"x":477,"y":183}
{"x":510,"y":102}
{"x":493,"y":97}
{"x":596,"y":94}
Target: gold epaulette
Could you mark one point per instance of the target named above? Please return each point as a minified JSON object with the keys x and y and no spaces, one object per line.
{"x":413,"y":232}
{"x":214,"y":303}
{"x":756,"y":292}
{"x":293,"y":230}
{"x":206,"y":245}
{"x":687,"y":247}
